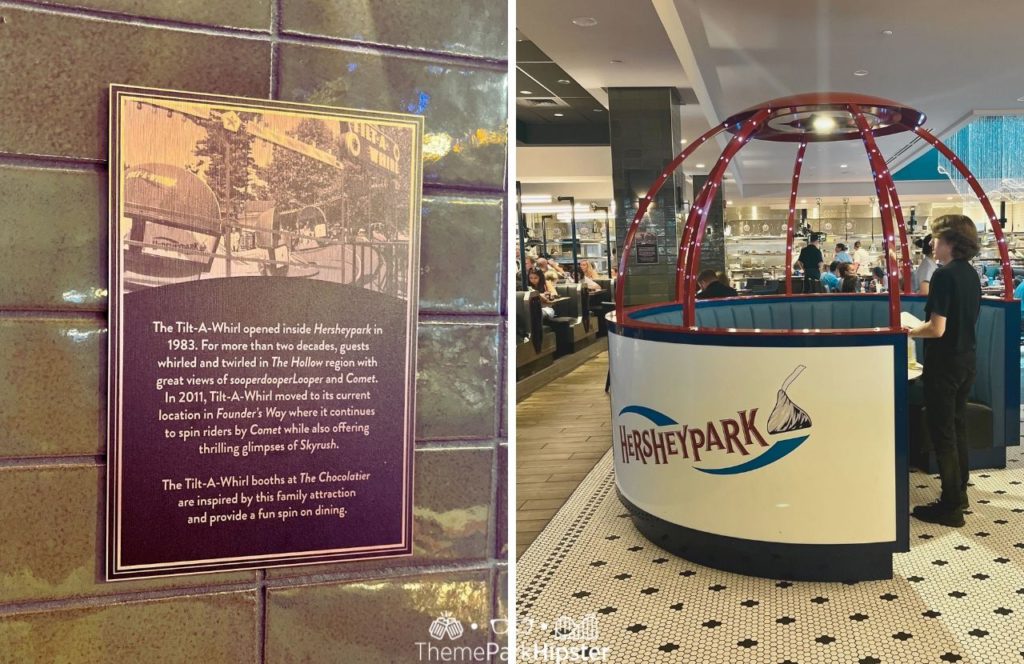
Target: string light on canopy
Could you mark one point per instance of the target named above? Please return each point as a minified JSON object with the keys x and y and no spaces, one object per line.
{"x":803,"y":119}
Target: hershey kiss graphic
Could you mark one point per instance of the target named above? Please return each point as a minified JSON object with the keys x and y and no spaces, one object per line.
{"x":787,"y":416}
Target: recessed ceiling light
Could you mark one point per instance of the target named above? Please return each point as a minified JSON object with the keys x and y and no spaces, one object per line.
{"x":599,"y":110}
{"x":564,"y":81}
{"x":559,"y":115}
{"x":585,"y":21}
{"x":803,"y":200}
{"x":824,"y":123}
{"x":682,"y":141}
{"x":526,"y":92}
{"x":949,"y":198}
{"x":700,"y":165}
{"x":887,"y":33}
{"x":861,"y":72}
{"x":615,"y":62}
{"x":728,"y":202}
{"x":842,"y":165}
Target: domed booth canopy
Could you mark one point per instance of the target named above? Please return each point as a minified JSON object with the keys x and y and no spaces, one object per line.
{"x":734,"y":446}
{"x":175,"y":221}
{"x":826,"y":116}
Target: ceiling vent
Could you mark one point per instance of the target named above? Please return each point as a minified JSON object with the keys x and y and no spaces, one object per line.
{"x":534,"y":101}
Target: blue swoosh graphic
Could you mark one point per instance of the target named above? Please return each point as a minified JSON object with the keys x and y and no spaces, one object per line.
{"x":660,"y":419}
{"x":774,"y":453}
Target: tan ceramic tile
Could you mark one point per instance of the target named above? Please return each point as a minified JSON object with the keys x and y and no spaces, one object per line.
{"x":459,"y":254}
{"x":464,"y":107}
{"x":450,"y":26}
{"x":228,"y":13}
{"x":51,"y":386}
{"x":52,"y":544}
{"x":219,"y":628}
{"x":53,"y":236}
{"x":456,"y":386}
{"x":57,"y":70}
{"x":374,"y":622}
{"x":451,"y":506}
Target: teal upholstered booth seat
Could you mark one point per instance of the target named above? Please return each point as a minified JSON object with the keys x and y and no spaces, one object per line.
{"x":996,"y":384}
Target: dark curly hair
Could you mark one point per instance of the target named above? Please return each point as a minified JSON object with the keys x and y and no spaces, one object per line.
{"x":959,"y":232}
{"x":924,"y":244}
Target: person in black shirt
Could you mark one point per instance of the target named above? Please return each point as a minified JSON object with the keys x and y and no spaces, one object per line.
{"x":951,"y":312}
{"x":711,"y":287}
{"x":812,"y":260}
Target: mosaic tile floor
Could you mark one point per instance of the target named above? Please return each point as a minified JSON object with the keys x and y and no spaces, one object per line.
{"x":957,"y":596}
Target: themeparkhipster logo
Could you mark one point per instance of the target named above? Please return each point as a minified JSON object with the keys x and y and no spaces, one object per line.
{"x":699,"y":442}
{"x":568,"y":639}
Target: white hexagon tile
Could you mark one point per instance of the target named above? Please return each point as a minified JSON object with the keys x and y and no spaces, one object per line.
{"x":957,"y":596}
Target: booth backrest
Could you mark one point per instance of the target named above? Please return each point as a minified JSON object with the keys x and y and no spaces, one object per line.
{"x":998,"y":351}
{"x":522,"y":315}
{"x":573,"y":307}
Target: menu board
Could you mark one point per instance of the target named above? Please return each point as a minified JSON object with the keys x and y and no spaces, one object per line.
{"x":646,"y":248}
{"x":263,"y":294}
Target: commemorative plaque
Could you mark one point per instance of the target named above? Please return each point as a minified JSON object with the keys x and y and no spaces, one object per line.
{"x":263,"y":294}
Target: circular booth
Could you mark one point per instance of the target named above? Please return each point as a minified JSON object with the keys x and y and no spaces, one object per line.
{"x":733,"y":444}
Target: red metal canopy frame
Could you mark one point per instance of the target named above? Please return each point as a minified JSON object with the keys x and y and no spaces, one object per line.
{"x":792,"y":119}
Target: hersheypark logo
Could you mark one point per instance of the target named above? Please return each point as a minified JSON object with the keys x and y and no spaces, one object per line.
{"x":739,"y":436}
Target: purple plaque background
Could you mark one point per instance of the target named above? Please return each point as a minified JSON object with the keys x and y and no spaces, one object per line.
{"x":154,"y":530}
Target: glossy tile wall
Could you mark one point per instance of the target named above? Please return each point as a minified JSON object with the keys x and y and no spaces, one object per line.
{"x":644,"y":130}
{"x":439,"y":59}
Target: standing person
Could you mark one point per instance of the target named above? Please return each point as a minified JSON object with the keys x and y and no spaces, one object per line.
{"x":954,"y":300}
{"x":922,"y":277}
{"x":861,"y":258}
{"x":812,"y":260}
{"x":842,"y":255}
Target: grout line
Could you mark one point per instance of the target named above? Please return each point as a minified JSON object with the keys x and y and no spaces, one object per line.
{"x":492,"y":517}
{"x":99,"y":601}
{"x":275,"y":59}
{"x":506,"y":258}
{"x":257,"y":34}
{"x":259,"y":585}
{"x":385,"y":574}
{"x":74,"y":314}
{"x":53,"y":162}
{"x":34,"y":462}
{"x":436,"y":444}
{"x":275,"y":49}
{"x":261,"y":627}
{"x":473,"y":190}
{"x":57,"y":162}
{"x":426,"y":445}
{"x":457,"y":59}
{"x":503,"y":367}
{"x":108,"y":16}
{"x":427,"y":315}
{"x":455,"y":318}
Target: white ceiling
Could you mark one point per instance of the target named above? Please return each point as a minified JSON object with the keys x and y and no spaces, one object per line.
{"x":627,"y":30}
{"x":946,"y":58}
